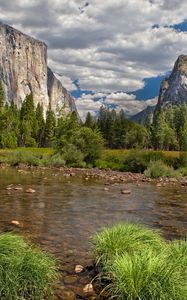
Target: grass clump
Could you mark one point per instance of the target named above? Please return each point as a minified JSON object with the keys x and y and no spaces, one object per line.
{"x":147,"y":276}
{"x":121,"y":239}
{"x":25,"y":271}
{"x":158,"y":169}
{"x":136,"y":263}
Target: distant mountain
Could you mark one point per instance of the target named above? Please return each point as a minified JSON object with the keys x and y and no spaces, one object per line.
{"x":141,"y":117}
{"x":173,"y":89}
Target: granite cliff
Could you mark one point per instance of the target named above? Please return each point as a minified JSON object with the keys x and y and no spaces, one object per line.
{"x":173,"y":89}
{"x":24,"y":70}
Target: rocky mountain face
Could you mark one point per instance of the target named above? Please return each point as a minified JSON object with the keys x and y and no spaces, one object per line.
{"x":173,"y":90}
{"x":141,"y":117}
{"x":24,"y":70}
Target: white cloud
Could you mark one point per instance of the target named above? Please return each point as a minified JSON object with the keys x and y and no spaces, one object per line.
{"x":108,"y":45}
{"x":127,"y":102}
{"x":66,"y":82}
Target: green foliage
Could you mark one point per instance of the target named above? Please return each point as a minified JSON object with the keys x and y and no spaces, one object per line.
{"x":136,"y":137}
{"x":89,"y":142}
{"x":73,"y":156}
{"x":25,"y":157}
{"x":40,"y":125}
{"x":78,"y":144}
{"x":158,"y":169}
{"x":147,"y":275}
{"x":25,"y":271}
{"x":2,"y":96}
{"x":137,"y":263}
{"x":28,"y":123}
{"x":122,"y":239}
{"x":55,"y":160}
{"x":49,"y":131}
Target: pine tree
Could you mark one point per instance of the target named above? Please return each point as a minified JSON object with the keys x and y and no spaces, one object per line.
{"x":28,"y":122}
{"x":89,"y":122}
{"x":49,"y":131}
{"x":40,"y":125}
{"x":158,"y":133}
{"x":2,"y":96}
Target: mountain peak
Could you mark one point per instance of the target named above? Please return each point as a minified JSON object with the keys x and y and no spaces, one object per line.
{"x":173,"y":89}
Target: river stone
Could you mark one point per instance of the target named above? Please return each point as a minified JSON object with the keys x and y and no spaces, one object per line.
{"x":31,"y":191}
{"x":88,"y":289}
{"x":126,"y":192}
{"x":79,"y":269}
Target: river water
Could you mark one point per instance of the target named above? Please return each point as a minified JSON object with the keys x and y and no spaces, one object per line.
{"x":65,"y":212}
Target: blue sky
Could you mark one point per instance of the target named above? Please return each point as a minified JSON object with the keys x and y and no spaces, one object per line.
{"x":106,"y":52}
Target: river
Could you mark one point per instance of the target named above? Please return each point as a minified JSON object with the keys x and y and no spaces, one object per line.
{"x":64,"y":212}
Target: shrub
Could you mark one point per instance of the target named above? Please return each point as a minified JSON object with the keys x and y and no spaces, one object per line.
{"x":55,"y":160}
{"x":89,"y":142}
{"x":158,"y":169}
{"x":121,"y":239}
{"x":135,"y":162}
{"x":183,"y":171}
{"x":147,"y":275}
{"x":25,"y":271}
{"x":73,"y":157}
{"x":24,"y":157}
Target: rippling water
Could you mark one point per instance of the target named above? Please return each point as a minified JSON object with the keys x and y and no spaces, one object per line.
{"x":65,"y":211}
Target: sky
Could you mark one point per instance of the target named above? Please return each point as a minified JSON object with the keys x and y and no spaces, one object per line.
{"x":111,"y":52}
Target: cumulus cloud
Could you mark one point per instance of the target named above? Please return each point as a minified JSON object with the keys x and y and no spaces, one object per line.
{"x":128,"y":102}
{"x":108,"y":45}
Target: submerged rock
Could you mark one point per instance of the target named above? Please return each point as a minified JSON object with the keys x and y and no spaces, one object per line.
{"x":126,"y":192}
{"x":31,"y":191}
{"x":79,"y":269}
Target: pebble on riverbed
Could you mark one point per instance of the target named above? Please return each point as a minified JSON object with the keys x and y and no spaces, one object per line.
{"x":125,"y":192}
{"x":88,"y":289}
{"x":79,"y":269}
{"x":31,"y":191}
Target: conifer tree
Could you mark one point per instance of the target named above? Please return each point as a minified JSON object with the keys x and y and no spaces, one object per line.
{"x":40,"y":125}
{"x":49,"y":131}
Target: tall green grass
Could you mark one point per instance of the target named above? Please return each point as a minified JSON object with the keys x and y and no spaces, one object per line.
{"x":25,"y":271}
{"x":136,"y":263}
{"x":121,"y":239}
{"x":147,"y":276}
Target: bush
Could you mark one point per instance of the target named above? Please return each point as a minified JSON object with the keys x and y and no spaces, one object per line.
{"x":89,"y":142}
{"x":55,"y":160}
{"x":121,"y":239}
{"x":158,"y":169}
{"x":73,"y":157}
{"x":25,"y":271}
{"x":182,"y":171}
{"x":135,"y":162}
{"x":24,"y":157}
{"x":147,"y":275}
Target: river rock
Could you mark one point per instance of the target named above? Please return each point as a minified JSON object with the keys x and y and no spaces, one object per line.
{"x":31,"y":191}
{"x":125,"y":192}
{"x":16,"y":223}
{"x":88,"y":289}
{"x":106,"y":189}
{"x":18,"y":188}
{"x":79,"y":269}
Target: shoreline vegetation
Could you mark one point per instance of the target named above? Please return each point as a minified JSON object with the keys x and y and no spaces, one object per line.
{"x":113,"y":166}
{"x":135,"y":262}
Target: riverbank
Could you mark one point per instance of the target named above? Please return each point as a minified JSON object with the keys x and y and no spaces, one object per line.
{"x":109,"y":177}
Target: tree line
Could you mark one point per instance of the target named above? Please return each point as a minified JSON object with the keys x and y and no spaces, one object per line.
{"x":165,"y":130}
{"x":27,"y":127}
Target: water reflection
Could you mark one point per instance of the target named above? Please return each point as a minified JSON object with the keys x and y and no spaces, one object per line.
{"x":65,"y":212}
